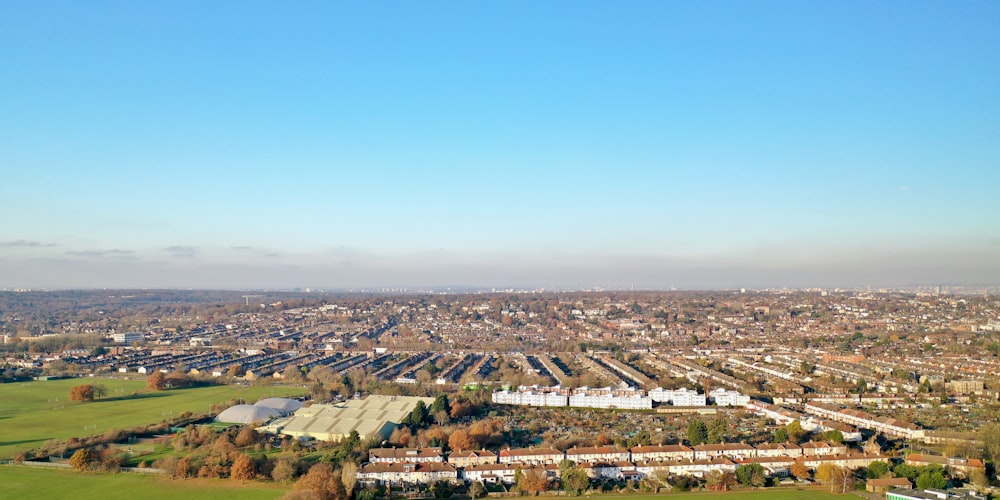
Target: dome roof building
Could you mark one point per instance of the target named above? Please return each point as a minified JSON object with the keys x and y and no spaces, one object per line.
{"x":245,"y":414}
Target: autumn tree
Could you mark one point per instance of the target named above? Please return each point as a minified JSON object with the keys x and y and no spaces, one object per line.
{"x":285,"y":469}
{"x":87,"y":392}
{"x":246,"y":437}
{"x":349,"y":476}
{"x":717,"y":480}
{"x":156,"y":381}
{"x":533,"y":481}
{"x":460,"y":440}
{"x":460,"y":408}
{"x":825,"y":472}
{"x":183,"y":468}
{"x":243,"y":468}
{"x":799,"y":470}
{"x":81,"y":459}
{"x":321,"y":483}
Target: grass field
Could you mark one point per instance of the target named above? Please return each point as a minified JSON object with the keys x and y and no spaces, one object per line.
{"x":768,"y":494}
{"x":34,"y":412}
{"x":26,"y":482}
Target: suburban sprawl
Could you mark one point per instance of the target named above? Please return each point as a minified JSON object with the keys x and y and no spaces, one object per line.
{"x":884,"y":393}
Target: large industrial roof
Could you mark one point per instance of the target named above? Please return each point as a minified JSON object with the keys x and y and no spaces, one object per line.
{"x":372,"y":415}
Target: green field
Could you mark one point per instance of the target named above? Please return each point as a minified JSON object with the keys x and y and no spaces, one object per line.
{"x":34,"y":412}
{"x":768,"y":494}
{"x":26,"y":482}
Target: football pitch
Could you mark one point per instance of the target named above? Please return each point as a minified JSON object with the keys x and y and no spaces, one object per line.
{"x":34,"y":412}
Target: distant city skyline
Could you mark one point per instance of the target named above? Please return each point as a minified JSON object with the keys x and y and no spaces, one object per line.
{"x":515,"y":144}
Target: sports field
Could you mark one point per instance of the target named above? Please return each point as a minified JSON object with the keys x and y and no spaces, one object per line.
{"x":34,"y":412}
{"x":24,"y":482}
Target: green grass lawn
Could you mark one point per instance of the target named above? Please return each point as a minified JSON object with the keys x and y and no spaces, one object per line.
{"x":26,"y":482}
{"x":766,"y":494}
{"x":34,"y":412}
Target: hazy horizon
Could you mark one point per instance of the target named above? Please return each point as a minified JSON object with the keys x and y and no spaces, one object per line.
{"x":516,"y":144}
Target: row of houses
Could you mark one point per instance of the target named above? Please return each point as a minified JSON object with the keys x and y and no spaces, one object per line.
{"x":624,"y":398}
{"x":605,"y":454}
{"x":487,"y":473}
{"x":784,"y":416}
{"x":886,"y":425}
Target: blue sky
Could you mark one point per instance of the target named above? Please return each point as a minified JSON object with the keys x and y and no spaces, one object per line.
{"x":558,"y":144}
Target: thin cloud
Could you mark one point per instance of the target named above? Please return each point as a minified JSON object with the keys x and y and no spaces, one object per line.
{"x":25,"y":243}
{"x":182,"y":251}
{"x":114,"y":252}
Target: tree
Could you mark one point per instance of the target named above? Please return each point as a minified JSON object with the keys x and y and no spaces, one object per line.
{"x":243,"y":468}
{"x":795,"y":432}
{"x":717,"y":431}
{"x":931,"y":479}
{"x":246,"y":437}
{"x":833,"y":435}
{"x":825,"y":472}
{"x":780,"y":435}
{"x":156,"y":381}
{"x":979,"y":478}
{"x":717,"y":480}
{"x":81,"y":459}
{"x":990,"y":436}
{"x":183,"y":468}
{"x":460,"y":440}
{"x":697,"y":432}
{"x":460,"y":408}
{"x":442,"y":489}
{"x":440,"y":404}
{"x":862,"y":386}
{"x":907,"y":471}
{"x":533,"y":481}
{"x":83,"y":392}
{"x":574,"y":479}
{"x":842,"y":480}
{"x":877,"y":469}
{"x":751,"y":475}
{"x":284,"y":470}
{"x":419,"y":414}
{"x":799,"y":470}
{"x":349,"y":476}
{"x":477,"y":490}
{"x":321,"y":483}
